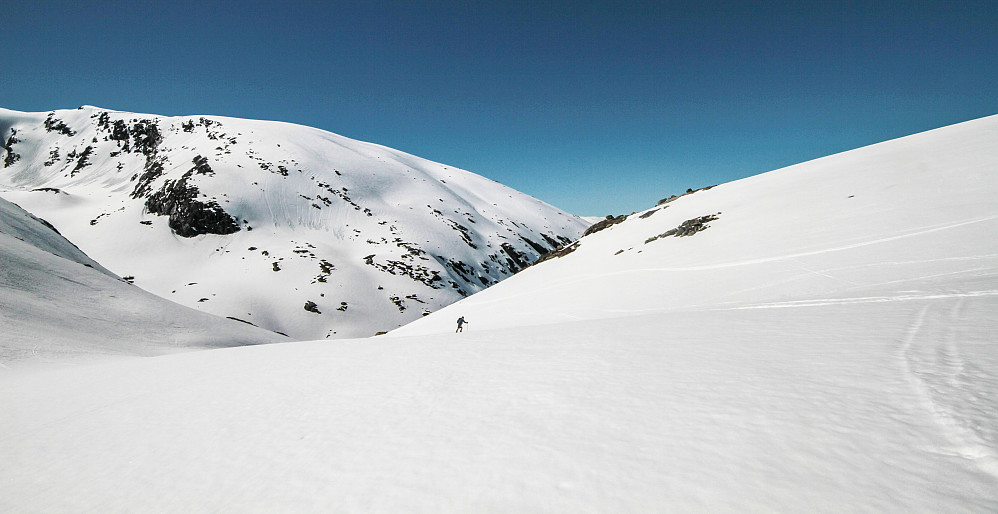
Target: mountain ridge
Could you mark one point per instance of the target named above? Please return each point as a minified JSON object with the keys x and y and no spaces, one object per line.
{"x":752,"y":224}
{"x":817,"y":338}
{"x":392,"y":236}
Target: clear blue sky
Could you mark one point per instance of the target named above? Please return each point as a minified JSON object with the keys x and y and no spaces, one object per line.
{"x":596,"y":107}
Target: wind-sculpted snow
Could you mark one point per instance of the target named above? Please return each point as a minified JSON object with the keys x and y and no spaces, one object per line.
{"x":216,"y":213}
{"x":57,"y":304}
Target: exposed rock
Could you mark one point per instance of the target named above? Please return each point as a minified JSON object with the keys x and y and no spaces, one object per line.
{"x":11,"y":157}
{"x":686,"y":228}
{"x":649,"y":213}
{"x":119,"y":133}
{"x":152,"y":171}
{"x":189,"y":216}
{"x":146,"y":137}
{"x":325,"y":269}
{"x":540,"y":249}
{"x":689,"y":191}
{"x":240,"y":320}
{"x":692,"y":226}
{"x":561,"y":251}
{"x":416,"y":272}
{"x":53,"y":157}
{"x":607,"y":223}
{"x":83,"y":161}
{"x":55,"y":125}
{"x":516,"y":260}
{"x":201,"y":166}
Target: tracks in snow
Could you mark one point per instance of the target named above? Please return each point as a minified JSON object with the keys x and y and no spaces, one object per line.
{"x":954,"y":390}
{"x":820,"y":302}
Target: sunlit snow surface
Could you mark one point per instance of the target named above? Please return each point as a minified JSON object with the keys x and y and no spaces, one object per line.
{"x":370,"y":236}
{"x":58,"y":305}
{"x":827,"y":344}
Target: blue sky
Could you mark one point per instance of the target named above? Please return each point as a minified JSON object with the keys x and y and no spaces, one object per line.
{"x":596,"y":107}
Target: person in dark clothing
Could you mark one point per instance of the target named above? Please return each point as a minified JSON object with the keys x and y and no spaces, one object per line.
{"x":460,"y":324}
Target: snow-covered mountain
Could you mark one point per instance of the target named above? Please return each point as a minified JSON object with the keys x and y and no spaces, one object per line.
{"x":884,"y":222}
{"x":821,"y":338}
{"x":57,"y":304}
{"x":292,"y":228}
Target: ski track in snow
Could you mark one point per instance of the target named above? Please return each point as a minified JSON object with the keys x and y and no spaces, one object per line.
{"x":581,"y":278}
{"x":827,"y":272}
{"x":824,"y":351}
{"x":867,"y":299}
{"x":936,"y":371}
{"x":797,"y":255}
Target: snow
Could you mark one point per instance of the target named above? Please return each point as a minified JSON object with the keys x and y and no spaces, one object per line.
{"x":904,"y":218}
{"x":826,"y":344}
{"x":808,"y":412}
{"x":58,"y":305}
{"x":311,"y":206}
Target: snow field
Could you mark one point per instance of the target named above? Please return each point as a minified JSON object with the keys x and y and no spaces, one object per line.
{"x":299,"y":195}
{"x":749,"y":410}
{"x":827,"y":344}
{"x":852,"y":224}
{"x":58,"y":305}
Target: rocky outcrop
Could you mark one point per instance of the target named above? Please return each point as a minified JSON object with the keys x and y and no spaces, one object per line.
{"x":189,"y":215}
{"x":607,"y":223}
{"x":686,"y":228}
{"x":561,"y":251}
{"x":11,"y":157}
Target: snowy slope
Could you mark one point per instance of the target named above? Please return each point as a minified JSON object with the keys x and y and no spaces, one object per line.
{"x":57,"y":304}
{"x":826,"y":344}
{"x":904,"y":219}
{"x":258,"y":220}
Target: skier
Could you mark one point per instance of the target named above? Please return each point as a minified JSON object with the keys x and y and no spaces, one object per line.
{"x":460,"y":324}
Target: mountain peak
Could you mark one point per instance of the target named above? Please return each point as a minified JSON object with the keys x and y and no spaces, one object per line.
{"x":256,"y":219}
